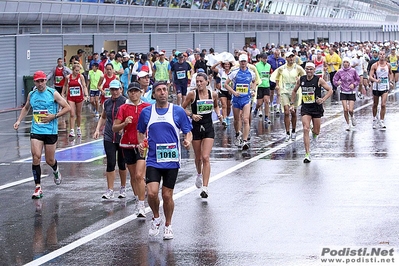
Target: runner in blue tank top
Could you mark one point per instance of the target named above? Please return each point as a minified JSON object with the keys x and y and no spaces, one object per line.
{"x":44,"y":130}
{"x":243,"y":85}
{"x":163,"y":122}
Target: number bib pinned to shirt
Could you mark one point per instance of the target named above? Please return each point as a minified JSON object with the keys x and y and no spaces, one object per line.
{"x":58,"y":79}
{"x":107,"y":93}
{"x":37,"y":116}
{"x":204,"y":106}
{"x":308,"y":97}
{"x":265,"y":75}
{"x":181,"y":74}
{"x":167,"y":152}
{"x":289,"y":86}
{"x":74,"y":91}
{"x":242,"y":89}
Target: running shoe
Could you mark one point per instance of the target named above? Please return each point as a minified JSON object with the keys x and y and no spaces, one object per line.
{"x":277,"y":109}
{"x":260,"y":113}
{"x":168,"y":233}
{"x":154,"y":228}
{"x":78,"y":132}
{"x":375,"y":123}
{"x":141,"y":211}
{"x":353,"y":121}
{"x":38,"y":193}
{"x":72,"y":133}
{"x":109,"y":194}
{"x":238,"y":141}
{"x":314,"y":137}
{"x":255,"y":112}
{"x":198,"y":181}
{"x":348,"y":127}
{"x":287,"y":137}
{"x":224,"y":123}
{"x":382,"y":125}
{"x":122,"y":192}
{"x":204,"y":192}
{"x":360,"y":95}
{"x":307,"y":158}
{"x":293,"y":136}
{"x":245,"y":145}
{"x":267,"y":120}
{"x":57,"y":176}
{"x":97,"y":115}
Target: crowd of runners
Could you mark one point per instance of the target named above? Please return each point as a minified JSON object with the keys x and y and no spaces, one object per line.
{"x":135,"y":96}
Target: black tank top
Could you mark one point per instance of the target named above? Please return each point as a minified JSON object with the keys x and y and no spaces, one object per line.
{"x":310,"y":90}
{"x":203,"y":107}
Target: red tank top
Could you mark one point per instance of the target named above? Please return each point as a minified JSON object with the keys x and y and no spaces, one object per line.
{"x":59,"y":79}
{"x":75,"y":87}
{"x":107,"y":81}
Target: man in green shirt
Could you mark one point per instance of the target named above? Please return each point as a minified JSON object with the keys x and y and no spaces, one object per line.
{"x":263,"y":93}
{"x":94,"y":77}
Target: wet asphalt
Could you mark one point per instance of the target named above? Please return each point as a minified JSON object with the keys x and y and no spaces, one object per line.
{"x":265,"y":206}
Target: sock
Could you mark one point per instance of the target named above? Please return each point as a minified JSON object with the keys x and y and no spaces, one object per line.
{"x":288,"y":132}
{"x":141,"y":203}
{"x":237,"y":134}
{"x":199,"y":175}
{"x":37,"y":173}
{"x":293,"y":130}
{"x":157,"y":220}
{"x":55,"y":166}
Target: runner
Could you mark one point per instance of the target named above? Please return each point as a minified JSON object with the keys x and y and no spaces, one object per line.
{"x":263,"y":93}
{"x":111,"y":140}
{"x":75,"y":91}
{"x":381,"y":76}
{"x":243,"y":80}
{"x":223,"y":68}
{"x":163,"y":158}
{"x":312,"y":104}
{"x":44,"y":130}
{"x":126,"y":122}
{"x":347,"y":80}
{"x":203,"y":101}
{"x":93,"y":81}
{"x":285,"y":78}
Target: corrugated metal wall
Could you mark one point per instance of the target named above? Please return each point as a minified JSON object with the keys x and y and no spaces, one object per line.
{"x":8,"y":91}
{"x":184,"y":41}
{"x":204,"y":40}
{"x":44,"y":51}
{"x":165,"y":42}
{"x":236,"y":41}
{"x":138,"y":43}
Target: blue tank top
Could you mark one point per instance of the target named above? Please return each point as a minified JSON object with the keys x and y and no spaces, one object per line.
{"x":242,"y":82}
{"x":43,"y":103}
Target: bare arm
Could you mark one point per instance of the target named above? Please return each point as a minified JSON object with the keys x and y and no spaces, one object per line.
{"x":23,"y":113}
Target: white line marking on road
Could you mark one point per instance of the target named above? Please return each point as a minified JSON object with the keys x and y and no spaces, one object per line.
{"x":19,"y":182}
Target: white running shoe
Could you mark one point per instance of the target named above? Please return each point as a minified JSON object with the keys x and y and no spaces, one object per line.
{"x":57,"y":176}
{"x":287,"y":137}
{"x":78,"y":132}
{"x":109,"y":194}
{"x":72,"y":133}
{"x":141,"y":211}
{"x":293,"y":136}
{"x":198,"y":181}
{"x":348,"y":127}
{"x":260,"y":113}
{"x":168,"y":233}
{"x":382,"y":124}
{"x":353,"y":121}
{"x":154,"y":228}
{"x":375,"y":123}
{"x":122,"y":193}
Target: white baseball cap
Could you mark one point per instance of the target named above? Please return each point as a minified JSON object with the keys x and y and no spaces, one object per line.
{"x":243,"y":57}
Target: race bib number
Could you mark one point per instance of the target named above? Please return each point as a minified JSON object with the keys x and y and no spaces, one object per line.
{"x":74,"y":91}
{"x":38,"y":114}
{"x":242,"y":89}
{"x":167,"y":152}
{"x":289,"y":86}
{"x":223,"y":82}
{"x":181,"y":74}
{"x":265,"y":75}
{"x":204,"y":107}
{"x":107,"y":93}
{"x":394,"y":65}
{"x":58,"y":79}
{"x":304,"y":58}
{"x":384,"y":80}
{"x":308,"y":97}
{"x":318,"y":72}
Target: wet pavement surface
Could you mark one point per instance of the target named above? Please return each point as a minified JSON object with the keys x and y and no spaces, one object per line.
{"x":265,"y":206}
